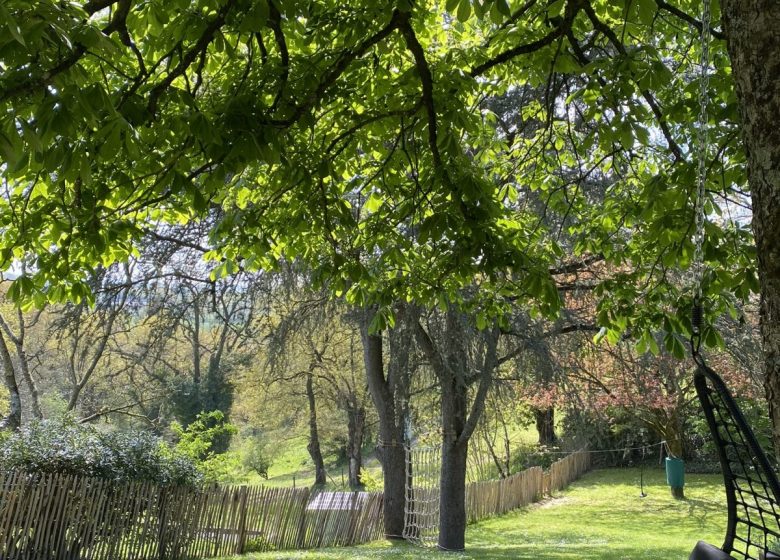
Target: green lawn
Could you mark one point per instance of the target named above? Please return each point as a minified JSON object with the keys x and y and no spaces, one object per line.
{"x":292,"y":465}
{"x":601,"y":517}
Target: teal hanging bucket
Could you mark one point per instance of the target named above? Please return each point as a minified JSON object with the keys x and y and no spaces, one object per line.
{"x":675,"y":476}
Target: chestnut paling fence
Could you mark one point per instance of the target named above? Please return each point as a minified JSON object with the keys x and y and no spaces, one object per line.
{"x":65,"y":517}
{"x":494,"y":497}
{"x":72,"y":517}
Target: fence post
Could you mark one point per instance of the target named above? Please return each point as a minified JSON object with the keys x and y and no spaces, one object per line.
{"x":301,"y":538}
{"x":242,"y":499}
{"x":162,"y":532}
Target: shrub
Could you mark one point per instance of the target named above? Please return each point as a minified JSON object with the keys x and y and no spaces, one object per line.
{"x":68,"y":447}
{"x":370,"y":482}
{"x":536,"y":456}
{"x":196,"y":443}
{"x":256,"y":458}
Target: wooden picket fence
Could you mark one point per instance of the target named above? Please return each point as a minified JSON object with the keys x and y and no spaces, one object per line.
{"x":496,"y":497}
{"x":564,"y":471}
{"x":48,"y":517}
{"x":64,"y":517}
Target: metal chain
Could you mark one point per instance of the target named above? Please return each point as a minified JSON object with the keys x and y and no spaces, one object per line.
{"x":702,"y":141}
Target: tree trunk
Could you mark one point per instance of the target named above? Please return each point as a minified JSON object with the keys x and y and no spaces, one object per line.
{"x":389,"y":397}
{"x":356,"y":416}
{"x":320,"y":476}
{"x":32,"y":389}
{"x":458,"y":421}
{"x":13,"y":420}
{"x":452,"y":501}
{"x":545,"y":426}
{"x":673,"y":435}
{"x":452,"y":516}
{"x":754,"y":48}
{"x":24,"y":367}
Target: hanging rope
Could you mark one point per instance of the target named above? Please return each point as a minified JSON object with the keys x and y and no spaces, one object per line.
{"x":702,"y":145}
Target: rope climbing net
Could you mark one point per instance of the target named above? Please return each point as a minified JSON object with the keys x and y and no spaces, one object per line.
{"x":421,"y":519}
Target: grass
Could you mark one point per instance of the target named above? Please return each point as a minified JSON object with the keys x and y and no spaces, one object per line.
{"x":600,"y":517}
{"x":292,"y":465}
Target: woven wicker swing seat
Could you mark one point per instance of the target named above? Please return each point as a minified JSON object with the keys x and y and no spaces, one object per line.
{"x":752,"y":490}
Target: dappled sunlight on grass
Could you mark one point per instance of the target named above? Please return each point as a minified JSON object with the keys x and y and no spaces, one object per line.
{"x":601,"y":517}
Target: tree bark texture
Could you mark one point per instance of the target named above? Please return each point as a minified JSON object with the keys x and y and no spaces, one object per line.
{"x":753,"y":40}
{"x":356,"y":424}
{"x":545,"y":426}
{"x":13,"y":420}
{"x":452,"y":502}
{"x":389,"y":393}
{"x":320,"y":476}
{"x":32,"y":388}
{"x":456,"y":371}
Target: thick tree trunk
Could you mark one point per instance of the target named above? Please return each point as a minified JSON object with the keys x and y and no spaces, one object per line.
{"x":545,"y":426}
{"x":674,"y":436}
{"x":458,"y":420}
{"x":320,"y":476}
{"x":452,"y":502}
{"x":389,"y":397}
{"x":751,"y":28}
{"x":452,"y":517}
{"x":393,"y":459}
{"x":356,"y":416}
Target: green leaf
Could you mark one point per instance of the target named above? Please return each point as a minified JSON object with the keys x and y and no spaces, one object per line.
{"x":12,"y":25}
{"x":464,"y":10}
{"x":626,"y":137}
{"x":255,"y":19}
{"x":374,"y":202}
{"x":555,"y":9}
{"x":503,"y":7}
{"x":8,"y":151}
{"x":646,"y":9}
{"x":378,"y":324}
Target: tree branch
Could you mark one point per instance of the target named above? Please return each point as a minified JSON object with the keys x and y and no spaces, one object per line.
{"x":94,"y":6}
{"x":648,"y":97}
{"x":572,"y":7}
{"x":577,"y":265}
{"x":687,"y":18}
{"x":275,"y":23}
{"x":342,"y":64}
{"x":186,"y":61}
{"x":426,"y":78}
{"x":489,"y":365}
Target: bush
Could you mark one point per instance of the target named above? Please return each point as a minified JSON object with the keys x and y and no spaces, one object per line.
{"x":256,"y":458}
{"x":370,"y":482}
{"x":536,"y":456}
{"x":196,"y":443}
{"x":615,"y":429}
{"x":68,"y":447}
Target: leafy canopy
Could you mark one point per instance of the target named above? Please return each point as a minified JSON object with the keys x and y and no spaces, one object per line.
{"x":403,"y":149}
